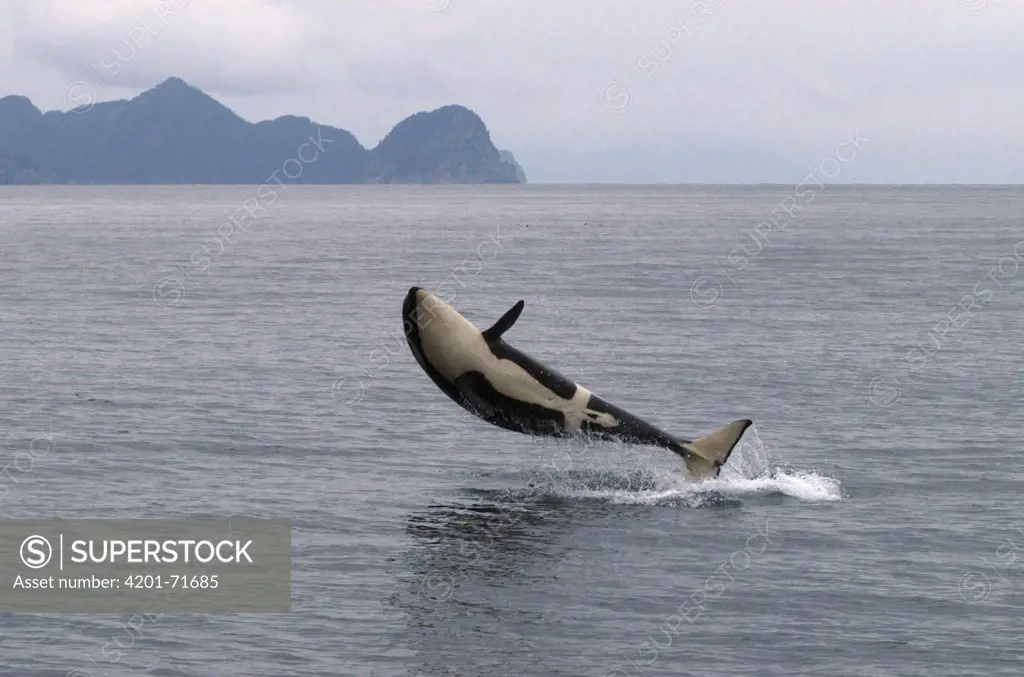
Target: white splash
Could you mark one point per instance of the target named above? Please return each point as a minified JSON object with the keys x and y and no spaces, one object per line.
{"x":639,"y":478}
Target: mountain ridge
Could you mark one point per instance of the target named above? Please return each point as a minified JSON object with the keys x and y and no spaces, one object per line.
{"x":175,"y":133}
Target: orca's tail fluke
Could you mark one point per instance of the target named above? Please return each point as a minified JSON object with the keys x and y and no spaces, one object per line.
{"x":706,"y":455}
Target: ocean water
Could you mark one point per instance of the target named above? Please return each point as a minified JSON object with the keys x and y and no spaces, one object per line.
{"x":870,"y":524}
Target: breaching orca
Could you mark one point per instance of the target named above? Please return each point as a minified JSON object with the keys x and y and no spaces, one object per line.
{"x":503,"y":386}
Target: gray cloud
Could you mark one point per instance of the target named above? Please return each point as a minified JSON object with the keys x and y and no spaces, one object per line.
{"x":718,"y":90}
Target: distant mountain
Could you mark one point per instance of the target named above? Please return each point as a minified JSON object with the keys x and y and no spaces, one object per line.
{"x":15,"y":171}
{"x":448,"y":145}
{"x":176,"y":134}
{"x":507,"y":158}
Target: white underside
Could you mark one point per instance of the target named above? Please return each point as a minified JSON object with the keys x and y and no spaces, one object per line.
{"x":454,"y":346}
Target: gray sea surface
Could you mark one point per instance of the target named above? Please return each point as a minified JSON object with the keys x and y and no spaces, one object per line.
{"x":870,"y":524}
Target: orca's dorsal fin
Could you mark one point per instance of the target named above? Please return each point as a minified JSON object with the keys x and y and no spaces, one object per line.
{"x":505,"y":323}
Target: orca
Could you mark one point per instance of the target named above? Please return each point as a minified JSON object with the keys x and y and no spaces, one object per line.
{"x":505,"y":387}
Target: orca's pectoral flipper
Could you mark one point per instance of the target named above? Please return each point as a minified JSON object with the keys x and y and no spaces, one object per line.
{"x":505,"y":323}
{"x":708,"y":454}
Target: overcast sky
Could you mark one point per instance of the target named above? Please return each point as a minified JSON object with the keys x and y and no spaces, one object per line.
{"x":625,"y":91}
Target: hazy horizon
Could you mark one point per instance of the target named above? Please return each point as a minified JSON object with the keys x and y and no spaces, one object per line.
{"x":726,"y":92}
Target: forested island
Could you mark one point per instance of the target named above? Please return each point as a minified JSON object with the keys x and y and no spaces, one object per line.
{"x":177,"y":134}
